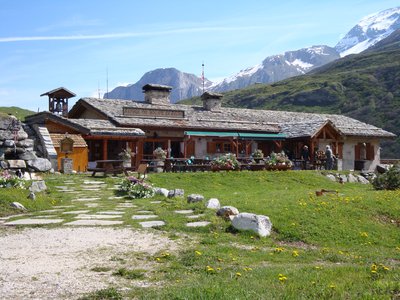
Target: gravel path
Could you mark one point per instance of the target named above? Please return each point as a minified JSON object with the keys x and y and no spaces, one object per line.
{"x":40,"y":263}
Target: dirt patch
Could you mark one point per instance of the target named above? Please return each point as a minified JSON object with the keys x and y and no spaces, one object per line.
{"x":39,"y":263}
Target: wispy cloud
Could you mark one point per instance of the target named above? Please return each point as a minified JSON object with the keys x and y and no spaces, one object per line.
{"x":123,"y":35}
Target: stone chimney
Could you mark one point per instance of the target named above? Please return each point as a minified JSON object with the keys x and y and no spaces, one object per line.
{"x":211,"y":101}
{"x":157,"y":94}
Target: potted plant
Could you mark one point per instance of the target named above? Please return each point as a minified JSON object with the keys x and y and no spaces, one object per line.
{"x":278,"y":161}
{"x":257,"y":155}
{"x":225,"y":162}
{"x":159,"y":153}
{"x":126,"y":155}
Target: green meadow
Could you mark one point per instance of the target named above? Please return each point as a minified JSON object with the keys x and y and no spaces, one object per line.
{"x":342,"y":245}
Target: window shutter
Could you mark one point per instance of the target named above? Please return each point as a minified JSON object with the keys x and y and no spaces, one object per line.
{"x":357,"y":151}
{"x":370,"y":152}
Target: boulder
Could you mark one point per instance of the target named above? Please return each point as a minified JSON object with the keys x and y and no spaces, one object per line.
{"x":213,"y":203}
{"x":331,"y":177}
{"x":351,"y":178}
{"x":32,"y":196}
{"x":8,"y":143}
{"x":362,"y":179}
{"x":28,"y":155}
{"x":18,"y":205}
{"x":3,"y":164}
{"x":28,"y":143}
{"x":39,"y":164}
{"x":161,"y":191}
{"x":16,"y":164}
{"x":176,"y":193}
{"x":38,"y":186}
{"x":343,"y":178}
{"x":227,"y":211}
{"x":382,"y":168}
{"x":256,"y":223}
{"x":192,"y":198}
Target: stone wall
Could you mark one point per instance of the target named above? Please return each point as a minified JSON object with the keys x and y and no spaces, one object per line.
{"x":17,"y":149}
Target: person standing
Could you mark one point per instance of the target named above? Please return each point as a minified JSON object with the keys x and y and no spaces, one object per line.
{"x":329,"y":158}
{"x":305,"y":156}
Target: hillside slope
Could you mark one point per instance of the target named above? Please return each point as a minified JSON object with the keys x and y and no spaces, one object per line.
{"x":20,"y":113}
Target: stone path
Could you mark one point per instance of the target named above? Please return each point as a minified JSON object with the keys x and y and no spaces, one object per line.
{"x":85,"y":209}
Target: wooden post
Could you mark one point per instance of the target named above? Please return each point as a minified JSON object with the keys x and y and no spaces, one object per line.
{"x":105,"y":149}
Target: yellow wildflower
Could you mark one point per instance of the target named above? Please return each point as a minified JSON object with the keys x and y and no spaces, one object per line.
{"x":295,"y":253}
{"x":198,"y":252}
{"x":364,"y":234}
{"x":238,"y":274}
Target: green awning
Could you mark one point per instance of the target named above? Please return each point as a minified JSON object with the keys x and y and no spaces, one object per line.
{"x":212,"y":133}
{"x":261,"y":136}
{"x":240,"y":135}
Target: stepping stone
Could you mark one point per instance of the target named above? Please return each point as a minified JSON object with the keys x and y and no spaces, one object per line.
{"x":75,"y":212}
{"x":143,"y":217}
{"x":65,"y":182}
{"x":155,"y":202}
{"x":91,"y":205}
{"x":184,"y":212}
{"x":72,"y":192}
{"x":93,"y":182}
{"x":114,"y":197}
{"x":44,"y":217}
{"x":95,"y":217}
{"x":126,"y":205}
{"x":90,"y":189}
{"x":150,"y":224}
{"x":93,"y":223}
{"x":34,"y":221}
{"x":110,"y":213}
{"x":86,"y":199}
{"x":194,"y":216}
{"x":198,"y":224}
{"x":120,"y":208}
{"x":144,"y":212}
{"x":49,"y":210}
{"x":63,"y":206}
{"x":62,"y":187}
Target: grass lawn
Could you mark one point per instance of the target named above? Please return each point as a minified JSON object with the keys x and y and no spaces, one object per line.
{"x":343,"y":245}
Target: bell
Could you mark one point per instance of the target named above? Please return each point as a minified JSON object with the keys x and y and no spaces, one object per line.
{"x":58,"y":107}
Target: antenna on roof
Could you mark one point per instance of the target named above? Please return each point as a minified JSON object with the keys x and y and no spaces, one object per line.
{"x":202,"y":74}
{"x":98,"y":88}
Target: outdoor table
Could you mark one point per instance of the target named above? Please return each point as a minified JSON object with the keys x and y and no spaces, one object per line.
{"x":109,"y":166}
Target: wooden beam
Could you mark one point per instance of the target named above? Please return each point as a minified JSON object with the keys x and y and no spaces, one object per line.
{"x":105,"y":149}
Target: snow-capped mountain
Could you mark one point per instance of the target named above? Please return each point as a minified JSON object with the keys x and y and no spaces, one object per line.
{"x":184,"y":85}
{"x":370,"y":30}
{"x":279,"y":67}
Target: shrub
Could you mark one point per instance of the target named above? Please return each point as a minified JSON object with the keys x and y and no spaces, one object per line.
{"x":276,"y":159}
{"x":136,"y":189}
{"x":10,"y":181}
{"x":227,"y":161}
{"x":390,"y":180}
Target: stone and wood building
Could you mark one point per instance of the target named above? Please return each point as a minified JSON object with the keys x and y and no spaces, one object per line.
{"x":108,"y":126}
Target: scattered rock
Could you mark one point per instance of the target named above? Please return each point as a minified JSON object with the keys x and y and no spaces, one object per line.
{"x":331,"y":177}
{"x":28,"y":155}
{"x":362,"y":179}
{"x":213,"y":203}
{"x":38,"y":186}
{"x":16,"y":164}
{"x":176,"y":193}
{"x":32,"y":196}
{"x":352,"y":179}
{"x":257,"y":223}
{"x":39,"y":164}
{"x":18,"y":205}
{"x":342,"y":178}
{"x":192,"y":198}
{"x":227,"y":211}
{"x":161,"y":191}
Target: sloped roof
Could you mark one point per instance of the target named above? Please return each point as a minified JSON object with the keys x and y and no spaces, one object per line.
{"x":292,"y":124}
{"x":79,"y":142}
{"x":61,"y":92}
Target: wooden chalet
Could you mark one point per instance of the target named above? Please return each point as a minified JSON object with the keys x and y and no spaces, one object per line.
{"x":110,"y":125}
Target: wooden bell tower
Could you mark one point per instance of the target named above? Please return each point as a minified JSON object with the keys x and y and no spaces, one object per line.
{"x":58,"y":100}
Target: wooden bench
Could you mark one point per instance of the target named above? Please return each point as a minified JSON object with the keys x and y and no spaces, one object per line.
{"x":109,"y":167}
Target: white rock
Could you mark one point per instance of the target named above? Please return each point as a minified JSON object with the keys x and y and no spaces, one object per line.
{"x":192,"y":198}
{"x":213,"y":203}
{"x":18,"y":205}
{"x":161,"y":191}
{"x":257,"y":223}
{"x":331,"y":177}
{"x":351,"y":178}
{"x":362,"y":179}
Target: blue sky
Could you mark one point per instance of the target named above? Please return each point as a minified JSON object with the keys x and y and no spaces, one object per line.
{"x":45,"y":44}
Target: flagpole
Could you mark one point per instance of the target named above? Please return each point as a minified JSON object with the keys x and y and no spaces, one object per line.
{"x":202,"y":75}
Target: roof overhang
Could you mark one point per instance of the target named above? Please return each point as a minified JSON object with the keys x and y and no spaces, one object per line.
{"x":239,"y":135}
